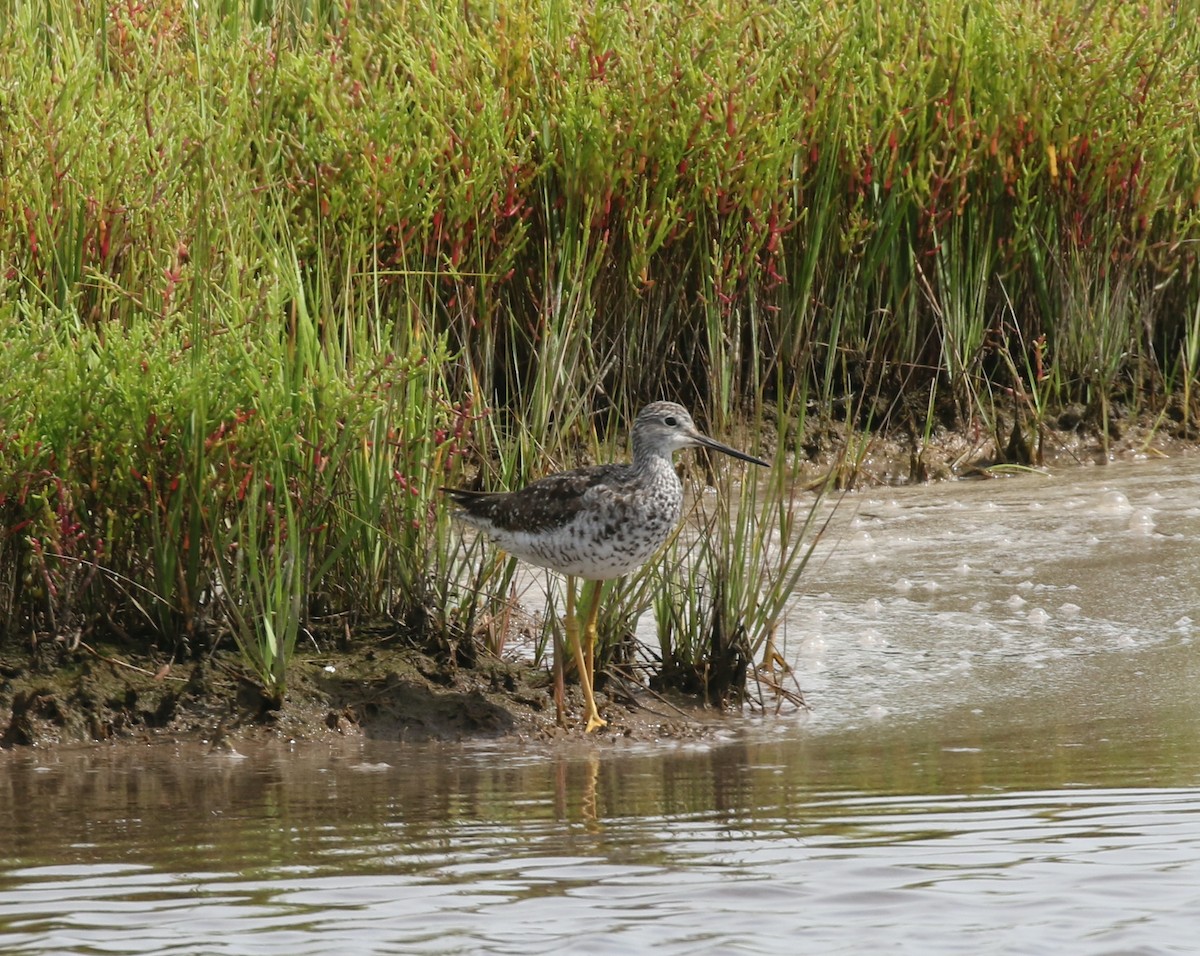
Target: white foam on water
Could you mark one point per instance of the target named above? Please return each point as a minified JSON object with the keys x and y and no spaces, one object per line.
{"x":1028,"y":572}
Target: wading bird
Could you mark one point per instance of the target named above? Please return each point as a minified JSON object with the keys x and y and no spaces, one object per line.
{"x":597,"y":522}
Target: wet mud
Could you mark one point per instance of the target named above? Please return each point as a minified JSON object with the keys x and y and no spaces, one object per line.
{"x":383,"y":691}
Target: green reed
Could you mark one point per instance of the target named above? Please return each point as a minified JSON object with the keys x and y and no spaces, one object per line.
{"x":345,"y":257}
{"x":723,"y":587}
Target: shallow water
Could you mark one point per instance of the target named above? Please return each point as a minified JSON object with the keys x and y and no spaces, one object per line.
{"x":1002,"y":758}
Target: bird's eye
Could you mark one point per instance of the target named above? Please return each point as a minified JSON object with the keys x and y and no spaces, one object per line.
{"x":671,"y":420}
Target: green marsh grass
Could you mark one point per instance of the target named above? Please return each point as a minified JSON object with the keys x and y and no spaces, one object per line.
{"x":721,"y":590}
{"x":347,"y":255}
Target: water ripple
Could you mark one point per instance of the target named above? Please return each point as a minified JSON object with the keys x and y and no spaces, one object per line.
{"x":1068,"y":871}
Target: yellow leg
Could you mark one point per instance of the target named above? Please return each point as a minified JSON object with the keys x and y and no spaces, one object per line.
{"x":585,"y":658}
{"x":591,"y":600}
{"x":572,"y":625}
{"x":560,"y":710}
{"x":772,"y":658}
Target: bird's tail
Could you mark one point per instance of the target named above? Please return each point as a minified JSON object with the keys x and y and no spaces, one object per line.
{"x":464,"y":496}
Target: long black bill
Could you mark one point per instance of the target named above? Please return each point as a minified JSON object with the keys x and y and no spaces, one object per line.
{"x":715,"y":445}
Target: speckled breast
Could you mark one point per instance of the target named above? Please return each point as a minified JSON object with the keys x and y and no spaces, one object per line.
{"x":619,"y":535}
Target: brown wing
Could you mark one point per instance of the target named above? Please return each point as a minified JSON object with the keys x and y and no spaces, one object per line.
{"x":544,"y":505}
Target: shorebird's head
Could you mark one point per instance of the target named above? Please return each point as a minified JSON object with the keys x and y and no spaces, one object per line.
{"x":664,"y":427}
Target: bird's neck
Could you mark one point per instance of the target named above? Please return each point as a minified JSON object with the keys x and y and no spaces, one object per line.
{"x":655,"y":463}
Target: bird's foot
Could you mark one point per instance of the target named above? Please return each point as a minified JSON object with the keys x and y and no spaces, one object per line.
{"x":595,"y":722}
{"x":773,"y":660}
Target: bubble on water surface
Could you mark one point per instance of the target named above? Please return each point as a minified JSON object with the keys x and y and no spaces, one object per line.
{"x":1016,"y":601}
{"x":1038,"y":616}
{"x":1112,"y":502}
{"x":1069,"y":610}
{"x":814,"y":646}
{"x":1141,"y":522}
{"x":813,"y":618}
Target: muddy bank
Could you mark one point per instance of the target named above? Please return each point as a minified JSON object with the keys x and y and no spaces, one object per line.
{"x":376,"y":684}
{"x":379,"y":689}
{"x":1071,"y":438}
